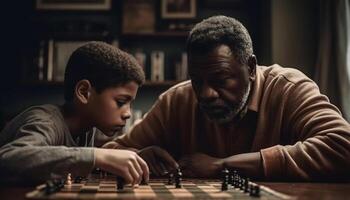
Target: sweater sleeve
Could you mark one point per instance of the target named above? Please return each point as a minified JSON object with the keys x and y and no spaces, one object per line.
{"x":321,"y":147}
{"x":35,"y":154}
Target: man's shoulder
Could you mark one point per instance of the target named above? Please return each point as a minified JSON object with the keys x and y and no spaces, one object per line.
{"x":288,"y":74}
{"x":182,"y":88}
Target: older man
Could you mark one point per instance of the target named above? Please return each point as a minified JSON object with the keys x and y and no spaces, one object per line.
{"x":267,"y":122}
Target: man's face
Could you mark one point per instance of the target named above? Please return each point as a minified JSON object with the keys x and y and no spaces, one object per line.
{"x":221,"y":83}
{"x":110,"y":109}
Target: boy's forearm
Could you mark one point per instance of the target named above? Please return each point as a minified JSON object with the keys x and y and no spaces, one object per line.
{"x":115,"y":145}
{"x":40,"y":163}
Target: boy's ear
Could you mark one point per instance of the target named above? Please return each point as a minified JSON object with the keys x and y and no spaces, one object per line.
{"x":82,"y":91}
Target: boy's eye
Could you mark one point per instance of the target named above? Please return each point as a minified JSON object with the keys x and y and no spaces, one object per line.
{"x":121,"y":103}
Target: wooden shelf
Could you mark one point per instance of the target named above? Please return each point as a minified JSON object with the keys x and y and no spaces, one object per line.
{"x":148,"y":83}
{"x":156,"y":34}
{"x":160,"y":83}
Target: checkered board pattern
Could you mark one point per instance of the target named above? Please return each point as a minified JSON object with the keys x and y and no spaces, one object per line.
{"x":156,"y":189}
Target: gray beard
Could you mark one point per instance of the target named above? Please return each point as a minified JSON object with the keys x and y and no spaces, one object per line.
{"x":232,"y":112}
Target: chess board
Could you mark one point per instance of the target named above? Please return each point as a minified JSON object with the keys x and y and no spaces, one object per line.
{"x":105,"y":188}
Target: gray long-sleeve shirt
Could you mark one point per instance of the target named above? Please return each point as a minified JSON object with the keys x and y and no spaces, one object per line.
{"x":37,"y":145}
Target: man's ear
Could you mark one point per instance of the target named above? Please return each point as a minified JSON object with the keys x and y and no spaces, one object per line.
{"x":82,"y":91}
{"x":252,"y":61}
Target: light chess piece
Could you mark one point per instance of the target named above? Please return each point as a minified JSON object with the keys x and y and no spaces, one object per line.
{"x":69,"y":179}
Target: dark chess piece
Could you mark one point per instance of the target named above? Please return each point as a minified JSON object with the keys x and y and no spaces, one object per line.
{"x":78,"y":179}
{"x":170,"y":178}
{"x":54,"y":185}
{"x":120,"y":183}
{"x":50,"y":187}
{"x":231,"y":179}
{"x":246,"y":185}
{"x":224,"y":179}
{"x":241,"y":183}
{"x":178,"y":178}
{"x":236,"y":179}
{"x":254,"y":190}
{"x":143,"y":182}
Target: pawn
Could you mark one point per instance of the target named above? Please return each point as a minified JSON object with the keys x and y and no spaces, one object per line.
{"x":178,"y":178}
{"x":170,"y":178}
{"x":69,"y":179}
{"x":78,"y":179}
{"x":224,"y":179}
{"x":120,"y":183}
{"x":50,"y":187}
{"x":246,"y":185}
{"x":256,"y":190}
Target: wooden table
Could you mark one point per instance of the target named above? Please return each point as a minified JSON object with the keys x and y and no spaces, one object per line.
{"x":301,"y":191}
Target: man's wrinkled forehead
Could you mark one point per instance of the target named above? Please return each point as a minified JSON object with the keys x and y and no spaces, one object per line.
{"x":220,"y":58}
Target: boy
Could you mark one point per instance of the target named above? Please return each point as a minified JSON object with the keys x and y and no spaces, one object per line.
{"x":44,"y":141}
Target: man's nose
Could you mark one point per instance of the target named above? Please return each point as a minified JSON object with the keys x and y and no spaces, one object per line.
{"x":208,"y":92}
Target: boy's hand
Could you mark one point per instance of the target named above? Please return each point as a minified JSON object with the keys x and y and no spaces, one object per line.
{"x":124,"y":163}
{"x":158,"y":160}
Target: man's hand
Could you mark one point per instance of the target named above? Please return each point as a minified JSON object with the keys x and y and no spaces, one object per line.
{"x":124,"y":163}
{"x":158,"y":160}
{"x":200,"y":165}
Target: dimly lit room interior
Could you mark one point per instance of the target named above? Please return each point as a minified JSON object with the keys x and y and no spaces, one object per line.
{"x":311,"y":36}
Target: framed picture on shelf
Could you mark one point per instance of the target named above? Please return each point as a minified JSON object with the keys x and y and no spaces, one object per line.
{"x":138,"y":16}
{"x":73,"y":4}
{"x":175,"y":9}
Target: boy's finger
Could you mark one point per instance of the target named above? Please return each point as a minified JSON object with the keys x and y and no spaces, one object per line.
{"x":144,"y":168}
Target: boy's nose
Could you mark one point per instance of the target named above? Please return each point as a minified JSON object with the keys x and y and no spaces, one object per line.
{"x":126,"y":115}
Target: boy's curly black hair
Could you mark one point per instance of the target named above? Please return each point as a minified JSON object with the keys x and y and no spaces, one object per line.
{"x":218,"y":30}
{"x":103,"y":65}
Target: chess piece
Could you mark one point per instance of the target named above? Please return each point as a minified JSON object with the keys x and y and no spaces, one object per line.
{"x":231,"y":178}
{"x":246,"y":185}
{"x":235,"y":177}
{"x":78,"y":179}
{"x":178,"y":178}
{"x":120,"y":183}
{"x":69,"y":179}
{"x":170,"y":178}
{"x":225,"y":179}
{"x":255,"y":191}
{"x":49,"y":187}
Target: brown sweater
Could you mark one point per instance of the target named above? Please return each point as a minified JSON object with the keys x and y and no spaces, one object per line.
{"x":300,"y":134}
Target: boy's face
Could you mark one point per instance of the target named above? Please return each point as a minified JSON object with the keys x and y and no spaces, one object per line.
{"x":109,"y":110}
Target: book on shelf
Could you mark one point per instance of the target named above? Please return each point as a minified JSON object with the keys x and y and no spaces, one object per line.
{"x":52,"y":64}
{"x":140,"y":57}
{"x":157,"y":66}
{"x":50,"y":49}
{"x":181,"y":68}
{"x":41,"y":61}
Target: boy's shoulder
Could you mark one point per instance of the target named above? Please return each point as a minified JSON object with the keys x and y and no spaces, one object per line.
{"x":35,"y":115}
{"x":43,"y":118}
{"x":46,"y":112}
